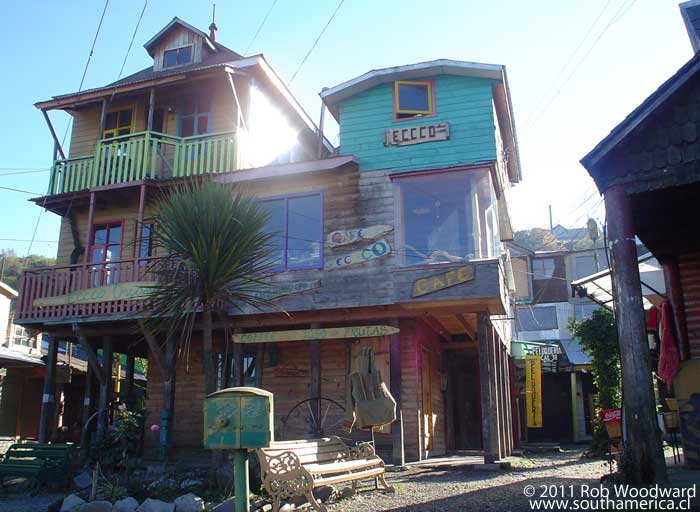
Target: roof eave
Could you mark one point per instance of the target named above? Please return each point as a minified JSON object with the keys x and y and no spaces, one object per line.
{"x":175,"y":21}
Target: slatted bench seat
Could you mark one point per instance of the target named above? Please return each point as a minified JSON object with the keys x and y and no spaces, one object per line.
{"x":295,"y":468}
{"x":37,"y":461}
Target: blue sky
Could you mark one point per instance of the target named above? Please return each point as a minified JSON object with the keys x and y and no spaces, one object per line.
{"x":565,"y":100}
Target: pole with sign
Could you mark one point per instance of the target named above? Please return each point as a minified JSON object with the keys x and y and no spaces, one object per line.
{"x":533,"y":391}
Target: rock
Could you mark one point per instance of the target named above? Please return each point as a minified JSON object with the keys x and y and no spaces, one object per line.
{"x":55,"y":506}
{"x":189,"y":483}
{"x":323,"y":493}
{"x":126,"y":505}
{"x":189,"y":503}
{"x":287,"y":507}
{"x":82,"y":481}
{"x":347,"y":492}
{"x":94,"y":506}
{"x":151,"y":505}
{"x":70,"y":502}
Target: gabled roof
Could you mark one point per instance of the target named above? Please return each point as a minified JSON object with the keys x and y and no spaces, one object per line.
{"x":640,"y":114}
{"x":151,"y":43}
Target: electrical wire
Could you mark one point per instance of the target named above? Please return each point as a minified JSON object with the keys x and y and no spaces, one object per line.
{"x":23,"y":172}
{"x":315,"y":42}
{"x":260,"y":27}
{"x":133,"y":36}
{"x":22,"y":191}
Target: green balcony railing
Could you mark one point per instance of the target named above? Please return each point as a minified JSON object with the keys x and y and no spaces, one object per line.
{"x":145,"y":155}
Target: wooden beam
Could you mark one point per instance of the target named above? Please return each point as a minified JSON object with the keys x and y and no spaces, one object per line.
{"x":48,"y":399}
{"x":458,"y":345}
{"x":468,"y":327}
{"x":151,"y":107}
{"x":57,"y":144}
{"x":488,"y":425}
{"x":315,"y":385}
{"x":88,"y":235}
{"x":395,"y":375}
{"x":237,"y":363}
{"x":103,"y":118}
{"x":139,"y":229}
{"x":129,"y":381}
{"x":155,"y":350}
{"x":239,"y":111}
{"x":87,"y":409}
{"x":436,"y":326}
{"x":166,"y":415}
{"x":105,"y":388}
{"x":93,"y":362}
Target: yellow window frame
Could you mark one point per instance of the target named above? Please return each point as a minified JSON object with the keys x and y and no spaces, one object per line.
{"x":427,"y":83}
{"x":114,"y":132}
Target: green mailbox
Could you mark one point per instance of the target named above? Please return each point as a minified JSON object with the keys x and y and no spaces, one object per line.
{"x":238,"y":418}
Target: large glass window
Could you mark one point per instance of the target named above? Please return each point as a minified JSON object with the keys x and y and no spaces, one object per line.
{"x":106,"y":247}
{"x":446,"y":217}
{"x":296,"y":225}
{"x":537,"y":319}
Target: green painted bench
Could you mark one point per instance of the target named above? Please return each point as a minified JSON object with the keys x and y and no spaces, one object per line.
{"x":37,"y":461}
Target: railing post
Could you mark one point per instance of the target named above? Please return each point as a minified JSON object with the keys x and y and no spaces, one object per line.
{"x":98,"y":167}
{"x":146,"y":157}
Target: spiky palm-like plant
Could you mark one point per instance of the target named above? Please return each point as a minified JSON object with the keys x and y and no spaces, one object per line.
{"x":217,"y":258}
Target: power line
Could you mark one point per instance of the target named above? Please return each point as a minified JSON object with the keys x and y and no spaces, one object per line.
{"x":22,"y":191}
{"x":315,"y":42}
{"x":133,"y":36}
{"x":23,"y":172}
{"x":260,"y":27}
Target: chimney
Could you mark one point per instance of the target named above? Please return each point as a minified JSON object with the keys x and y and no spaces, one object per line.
{"x":213,"y":28}
{"x":690,"y":12}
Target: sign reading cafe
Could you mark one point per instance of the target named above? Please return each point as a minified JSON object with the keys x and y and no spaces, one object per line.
{"x":407,"y":135}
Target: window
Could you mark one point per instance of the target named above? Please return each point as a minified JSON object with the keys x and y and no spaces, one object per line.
{"x":177,"y":57}
{"x":444,"y":217}
{"x":413,"y":99}
{"x":543,"y":268}
{"x":537,"y":319}
{"x":585,"y":266}
{"x":584,"y":311}
{"x":22,"y":337}
{"x":249,"y":369}
{"x":194,"y":115}
{"x":118,"y":122}
{"x":106,"y":247}
{"x":296,"y":225}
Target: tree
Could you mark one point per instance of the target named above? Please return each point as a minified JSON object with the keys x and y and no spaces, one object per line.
{"x":13,"y":265}
{"x":598,"y":338}
{"x":218,"y":255}
{"x":537,"y":239}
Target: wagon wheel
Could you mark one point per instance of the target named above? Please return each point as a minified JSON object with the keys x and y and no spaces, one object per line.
{"x":302,"y":422}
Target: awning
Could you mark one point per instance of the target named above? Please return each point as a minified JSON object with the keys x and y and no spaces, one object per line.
{"x":598,"y":286}
{"x":16,"y":360}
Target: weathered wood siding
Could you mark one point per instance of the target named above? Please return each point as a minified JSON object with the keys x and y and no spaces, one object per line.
{"x":177,"y":38}
{"x":464,"y":102}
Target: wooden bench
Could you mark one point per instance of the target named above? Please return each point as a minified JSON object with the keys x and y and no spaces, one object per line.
{"x":39,"y":462}
{"x":295,"y":468}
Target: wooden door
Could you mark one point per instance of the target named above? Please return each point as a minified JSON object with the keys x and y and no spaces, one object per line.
{"x":427,"y":403}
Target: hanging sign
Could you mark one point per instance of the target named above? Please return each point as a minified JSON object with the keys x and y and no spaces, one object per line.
{"x":350,"y":236}
{"x":426,"y":285}
{"x":330,"y":333}
{"x":407,"y":135}
{"x":533,"y":391}
{"x":281,"y":289}
{"x":548,"y":353}
{"x":109,"y":293}
{"x":378,"y":249}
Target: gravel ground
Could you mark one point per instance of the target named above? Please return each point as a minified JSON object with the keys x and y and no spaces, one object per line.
{"x":24,"y":502}
{"x":470,"y":488}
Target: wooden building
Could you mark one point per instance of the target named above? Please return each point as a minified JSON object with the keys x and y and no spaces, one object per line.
{"x":391,"y":241}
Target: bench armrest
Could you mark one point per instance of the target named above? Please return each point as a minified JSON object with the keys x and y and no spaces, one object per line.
{"x":283,"y":475}
{"x":362,"y":451}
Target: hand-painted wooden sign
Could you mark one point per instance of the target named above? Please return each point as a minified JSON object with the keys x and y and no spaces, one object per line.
{"x":350,"y":236}
{"x":119,"y":291}
{"x":407,"y":135}
{"x":378,"y":249}
{"x":281,"y":289}
{"x":533,"y":391}
{"x":426,"y":285}
{"x":330,"y":333}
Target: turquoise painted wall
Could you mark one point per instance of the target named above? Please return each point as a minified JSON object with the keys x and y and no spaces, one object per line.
{"x":464,"y":102}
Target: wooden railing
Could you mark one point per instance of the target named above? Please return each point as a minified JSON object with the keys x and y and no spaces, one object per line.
{"x":145,"y":155}
{"x":60,"y":281}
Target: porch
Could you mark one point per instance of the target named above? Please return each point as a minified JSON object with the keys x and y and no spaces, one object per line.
{"x":146,"y":155}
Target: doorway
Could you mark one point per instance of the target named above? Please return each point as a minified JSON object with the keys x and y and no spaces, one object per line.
{"x":428,"y":424}
{"x":464,"y":399}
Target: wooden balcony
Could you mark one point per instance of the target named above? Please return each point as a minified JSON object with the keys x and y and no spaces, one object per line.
{"x":61,"y":293}
{"x":145,"y":155}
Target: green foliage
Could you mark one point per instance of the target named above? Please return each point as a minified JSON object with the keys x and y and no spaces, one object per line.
{"x":598,"y":338}
{"x":15,"y":264}
{"x":537,"y":239}
{"x":120,"y":448}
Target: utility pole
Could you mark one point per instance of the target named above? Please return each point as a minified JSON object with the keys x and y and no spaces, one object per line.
{"x":551,"y":224}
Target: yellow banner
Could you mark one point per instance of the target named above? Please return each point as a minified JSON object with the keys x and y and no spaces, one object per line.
{"x":328,"y":333}
{"x":122,"y":291}
{"x":533,"y":391}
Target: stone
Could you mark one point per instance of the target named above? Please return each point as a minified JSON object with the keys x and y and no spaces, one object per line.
{"x":189,"y":503}
{"x":126,"y":505}
{"x":94,"y":506}
{"x":323,"y":493}
{"x":189,"y":483}
{"x":287,"y":507}
{"x":151,"y":505}
{"x":346,"y":492}
{"x":82,"y":481}
{"x":70,"y":502}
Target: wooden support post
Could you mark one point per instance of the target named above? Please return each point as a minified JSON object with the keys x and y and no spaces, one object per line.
{"x":397,"y":440}
{"x":48,"y":399}
{"x":57,"y":144}
{"x":508,"y":406}
{"x":489,"y":425}
{"x":103,"y":118}
{"x":498,"y":388}
{"x":166,"y":415}
{"x":105,"y":388}
{"x":643,"y":455}
{"x":87,"y":408}
{"x":151,"y":107}
{"x":237,"y":364}
{"x":88,"y":234}
{"x":259,"y":360}
{"x":129,"y":379}
{"x":139,"y":231}
{"x":315,"y":386}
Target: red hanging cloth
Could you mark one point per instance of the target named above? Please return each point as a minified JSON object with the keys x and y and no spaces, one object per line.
{"x":669,"y":358}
